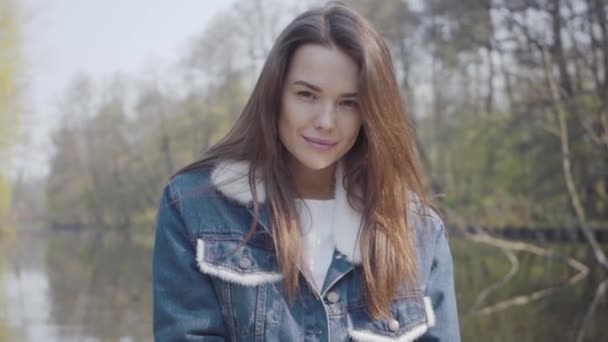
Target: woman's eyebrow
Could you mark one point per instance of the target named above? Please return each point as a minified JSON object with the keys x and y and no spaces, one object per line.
{"x":318,"y":89}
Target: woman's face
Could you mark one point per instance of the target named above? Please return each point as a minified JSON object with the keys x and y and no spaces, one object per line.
{"x":319,"y":119}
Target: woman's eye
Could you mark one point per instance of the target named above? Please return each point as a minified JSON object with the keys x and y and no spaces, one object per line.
{"x":306,"y":95}
{"x":349,"y":103}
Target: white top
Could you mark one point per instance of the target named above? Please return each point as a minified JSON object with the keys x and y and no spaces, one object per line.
{"x":316,"y":222}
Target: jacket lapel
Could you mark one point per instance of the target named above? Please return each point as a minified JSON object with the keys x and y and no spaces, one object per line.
{"x":340,"y":265}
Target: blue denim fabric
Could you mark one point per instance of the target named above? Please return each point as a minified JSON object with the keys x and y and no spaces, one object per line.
{"x":233,"y":292}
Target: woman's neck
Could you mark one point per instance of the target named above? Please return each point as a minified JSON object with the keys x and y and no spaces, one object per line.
{"x":313,"y":184}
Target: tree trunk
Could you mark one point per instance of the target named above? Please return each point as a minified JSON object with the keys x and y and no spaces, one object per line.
{"x":558,"y":50}
{"x":561,"y":114}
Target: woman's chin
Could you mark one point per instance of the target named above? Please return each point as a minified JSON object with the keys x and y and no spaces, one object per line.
{"x":317,"y":164}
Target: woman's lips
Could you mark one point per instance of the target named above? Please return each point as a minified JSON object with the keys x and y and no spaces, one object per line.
{"x":320,"y":144}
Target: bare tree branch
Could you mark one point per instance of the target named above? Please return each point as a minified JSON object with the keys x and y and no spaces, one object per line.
{"x":560,"y":111}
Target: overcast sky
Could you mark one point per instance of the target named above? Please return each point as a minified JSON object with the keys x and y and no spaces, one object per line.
{"x":99,"y":38}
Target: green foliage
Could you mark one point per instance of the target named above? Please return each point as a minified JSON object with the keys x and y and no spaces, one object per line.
{"x":109,"y":166}
{"x":488,"y":136}
{"x":504,"y":173}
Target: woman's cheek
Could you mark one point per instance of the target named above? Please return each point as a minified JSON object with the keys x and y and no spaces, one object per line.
{"x":300,"y":113}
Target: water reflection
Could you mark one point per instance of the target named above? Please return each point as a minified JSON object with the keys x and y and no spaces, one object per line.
{"x":102,"y":285}
{"x":24,"y":291}
{"x":78,"y":287}
{"x":75,"y":287}
{"x":556,"y":317}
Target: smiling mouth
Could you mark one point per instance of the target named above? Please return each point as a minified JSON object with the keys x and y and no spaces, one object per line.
{"x":321,"y":144}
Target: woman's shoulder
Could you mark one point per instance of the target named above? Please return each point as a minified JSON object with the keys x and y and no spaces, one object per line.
{"x":225,"y":182}
{"x":228,"y":178}
{"x":427,"y":224}
{"x":430,"y":239}
{"x":203,"y":207}
{"x":188,"y":184}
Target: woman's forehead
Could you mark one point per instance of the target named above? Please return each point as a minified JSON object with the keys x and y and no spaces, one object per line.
{"x":327,"y":68}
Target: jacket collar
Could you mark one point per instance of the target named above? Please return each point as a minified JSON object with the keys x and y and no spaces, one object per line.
{"x":231,"y":179}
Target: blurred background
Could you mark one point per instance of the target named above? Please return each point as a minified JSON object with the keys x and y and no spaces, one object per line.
{"x":101,"y":101}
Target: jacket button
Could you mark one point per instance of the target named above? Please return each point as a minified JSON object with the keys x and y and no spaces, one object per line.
{"x":333,"y":297}
{"x":393,"y":325}
{"x":245,"y":262}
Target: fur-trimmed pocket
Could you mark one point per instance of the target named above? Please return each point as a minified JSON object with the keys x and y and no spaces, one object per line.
{"x":232,"y":262}
{"x":412,"y":316}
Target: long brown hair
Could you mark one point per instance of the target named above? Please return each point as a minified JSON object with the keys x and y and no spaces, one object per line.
{"x":380,"y":170}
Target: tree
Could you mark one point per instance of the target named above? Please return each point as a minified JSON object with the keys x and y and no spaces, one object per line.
{"x":10,"y":107}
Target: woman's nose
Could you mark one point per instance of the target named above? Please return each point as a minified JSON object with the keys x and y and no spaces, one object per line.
{"x":326,"y":118}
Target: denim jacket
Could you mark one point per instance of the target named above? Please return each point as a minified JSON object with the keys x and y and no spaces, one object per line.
{"x":209,"y":285}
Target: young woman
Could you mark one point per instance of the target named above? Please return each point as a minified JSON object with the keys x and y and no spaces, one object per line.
{"x":309,"y":220}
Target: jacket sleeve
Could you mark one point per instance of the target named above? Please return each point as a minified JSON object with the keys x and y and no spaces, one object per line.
{"x":440,"y":289}
{"x":186,"y":307}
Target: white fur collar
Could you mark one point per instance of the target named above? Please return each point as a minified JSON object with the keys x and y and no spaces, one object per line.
{"x":231,"y":179}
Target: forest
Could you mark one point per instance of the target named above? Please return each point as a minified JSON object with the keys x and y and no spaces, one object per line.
{"x":508,"y":99}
